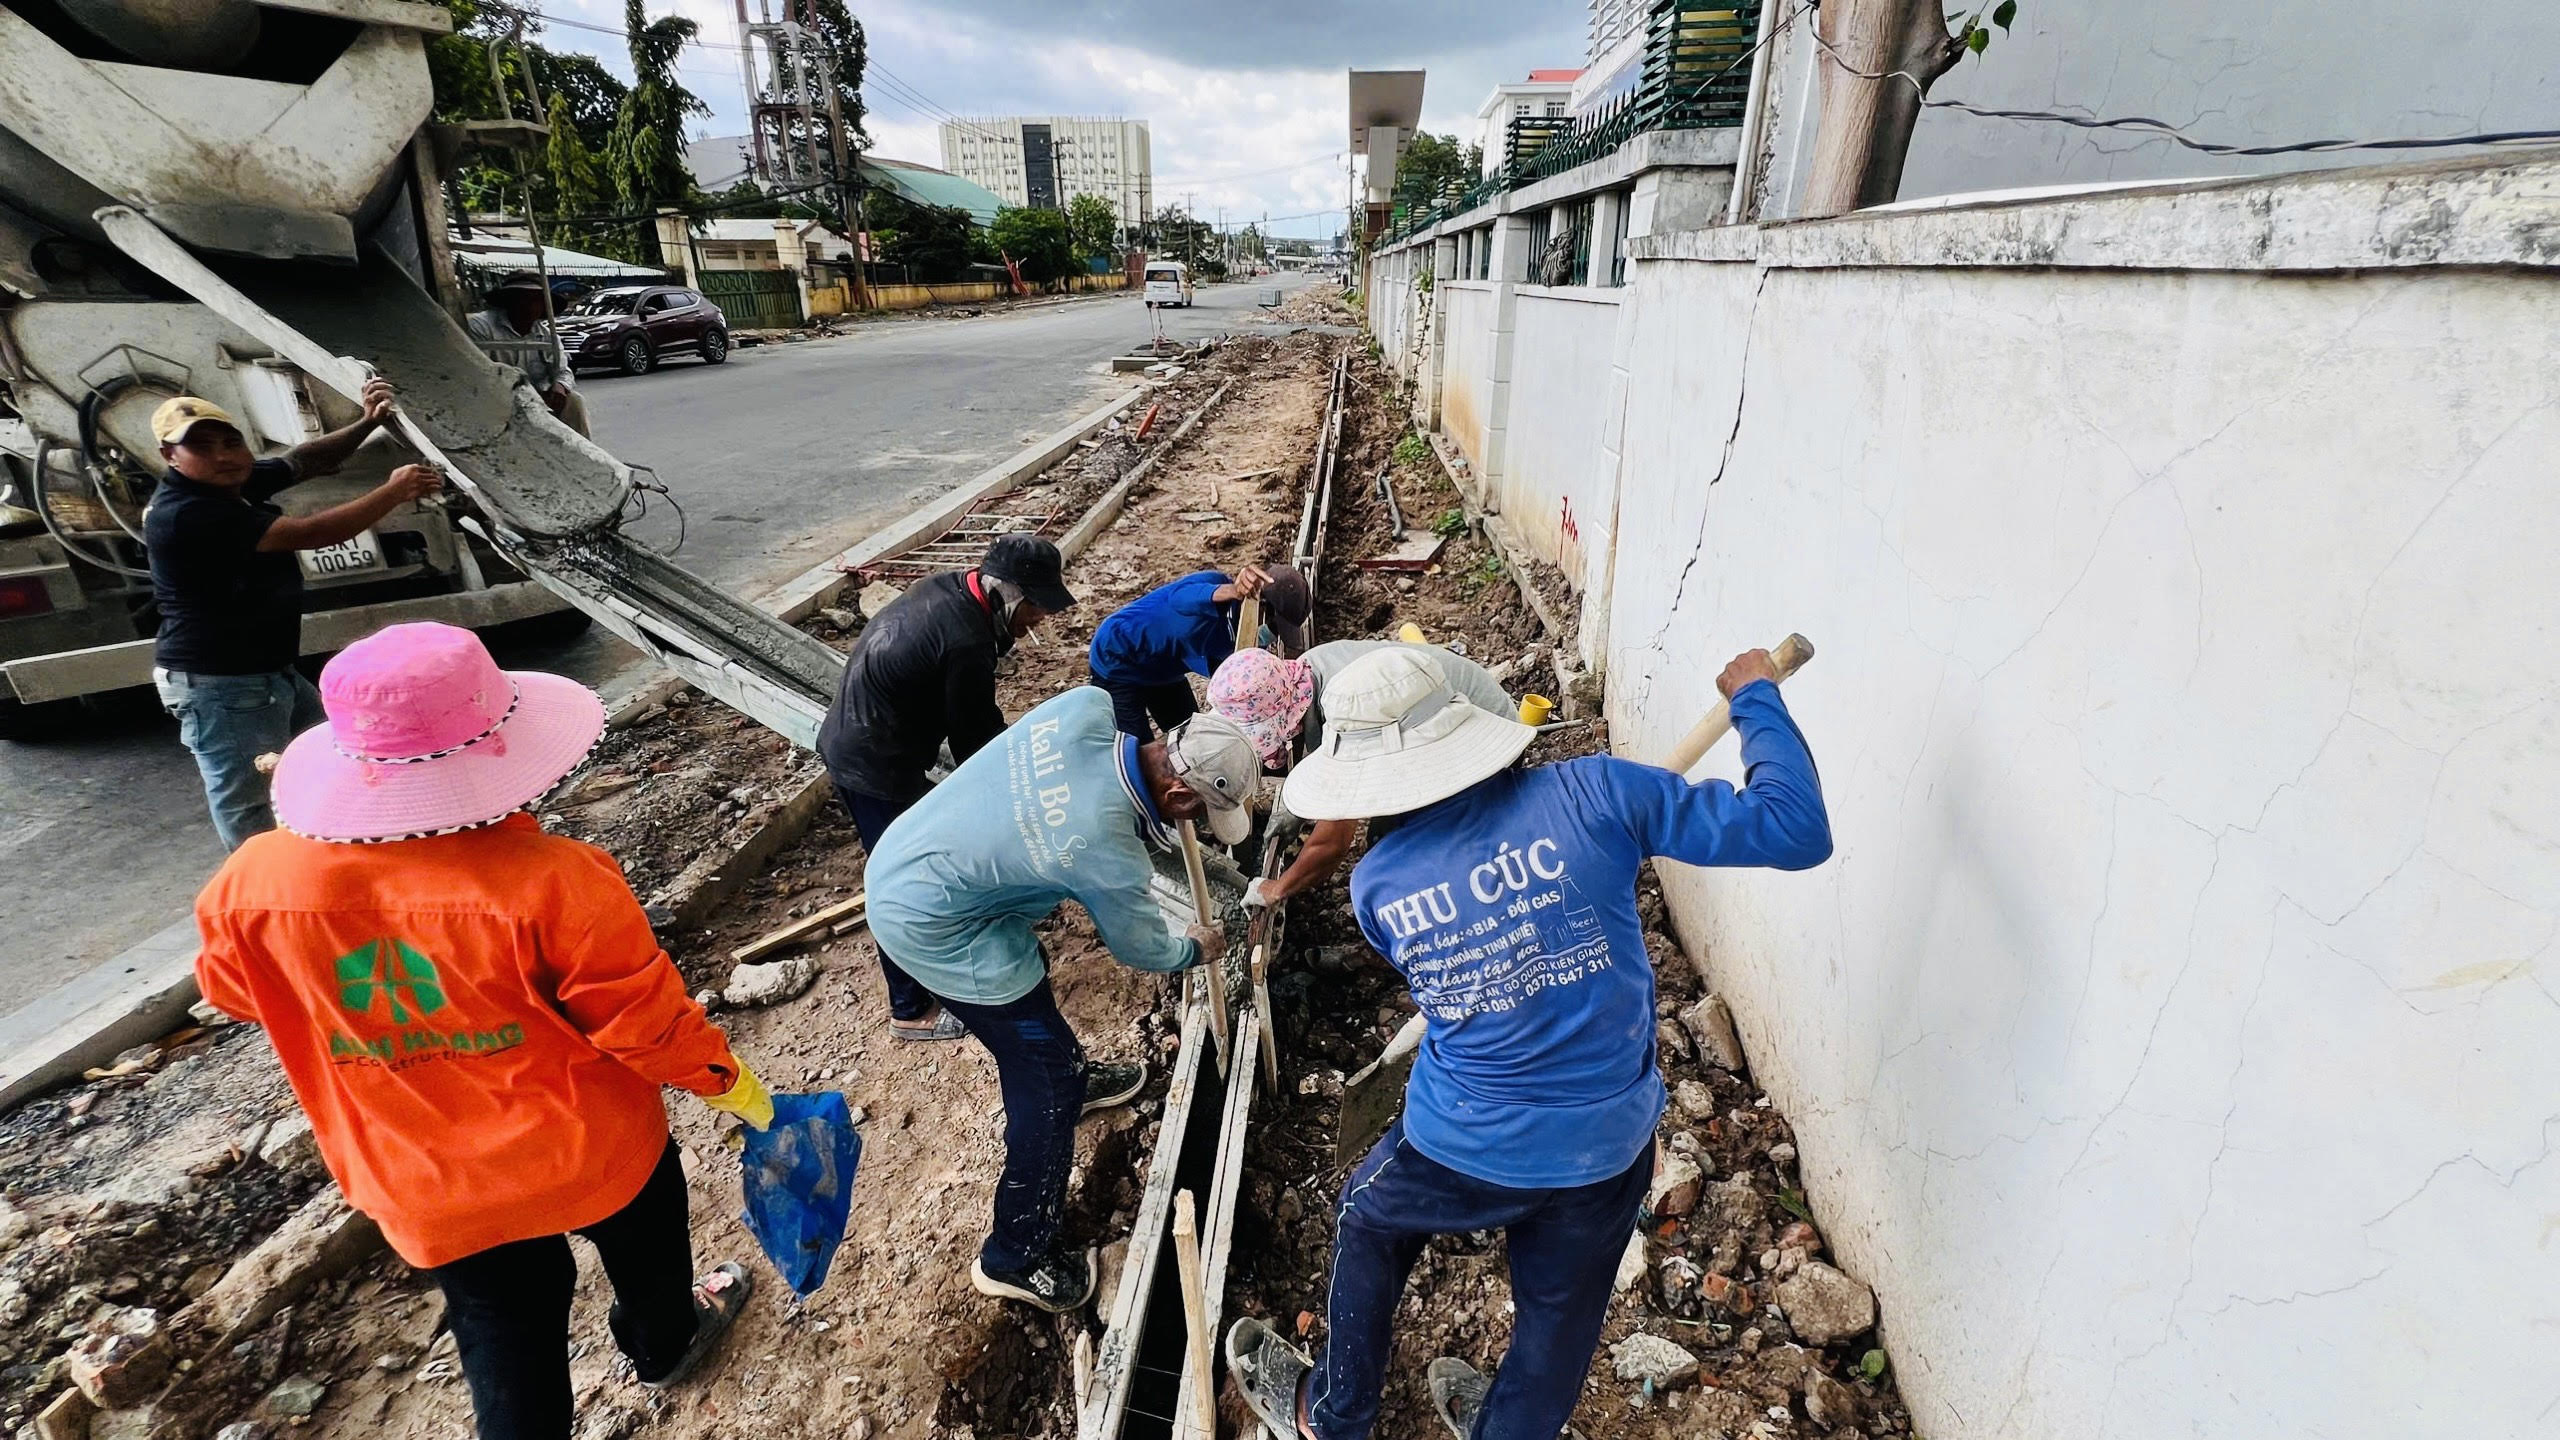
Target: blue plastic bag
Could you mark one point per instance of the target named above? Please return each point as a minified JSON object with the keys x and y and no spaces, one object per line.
{"x":799,"y":1185}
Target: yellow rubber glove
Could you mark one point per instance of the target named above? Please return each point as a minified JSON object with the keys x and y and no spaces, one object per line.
{"x":748,"y":1099}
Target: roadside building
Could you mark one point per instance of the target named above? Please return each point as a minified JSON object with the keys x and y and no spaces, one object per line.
{"x":1546,"y":94}
{"x":1048,"y":160}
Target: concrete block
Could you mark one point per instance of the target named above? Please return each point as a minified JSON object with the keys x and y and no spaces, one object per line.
{"x":325,"y":1238}
{"x":123,"y":1360}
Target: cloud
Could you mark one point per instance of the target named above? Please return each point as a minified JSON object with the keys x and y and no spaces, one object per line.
{"x":1245,"y":111}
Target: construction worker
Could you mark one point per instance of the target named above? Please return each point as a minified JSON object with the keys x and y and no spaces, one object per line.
{"x":1273,"y":699}
{"x":475,"y":1016}
{"x":1506,"y":896}
{"x":229,"y":589}
{"x":1061,"y":807}
{"x":923,"y":673}
{"x":515,"y":328}
{"x":1142,"y":651}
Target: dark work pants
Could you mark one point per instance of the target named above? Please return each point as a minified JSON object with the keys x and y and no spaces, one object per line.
{"x":1132,"y":706}
{"x":1041,"y":1069}
{"x":509,"y":1308}
{"x":1565,"y":1247}
{"x":871,"y":816}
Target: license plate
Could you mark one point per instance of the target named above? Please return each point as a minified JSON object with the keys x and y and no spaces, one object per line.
{"x":361,"y":555}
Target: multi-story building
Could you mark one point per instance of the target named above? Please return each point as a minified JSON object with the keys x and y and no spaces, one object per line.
{"x":1545,"y":93}
{"x":1048,"y":160}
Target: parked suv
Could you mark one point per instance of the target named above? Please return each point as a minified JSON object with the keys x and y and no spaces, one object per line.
{"x":632,"y":327}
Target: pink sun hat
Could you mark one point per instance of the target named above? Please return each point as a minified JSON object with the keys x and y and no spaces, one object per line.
{"x":427,"y":735}
{"x":1265,"y":695}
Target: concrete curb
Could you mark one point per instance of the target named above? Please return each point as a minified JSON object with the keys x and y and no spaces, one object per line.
{"x":140,"y":995}
{"x":809,"y":591}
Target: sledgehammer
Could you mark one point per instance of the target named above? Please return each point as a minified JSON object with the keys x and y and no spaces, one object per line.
{"x":1786,"y":658}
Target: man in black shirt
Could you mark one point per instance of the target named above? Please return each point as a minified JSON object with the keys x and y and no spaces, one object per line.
{"x":230,"y":590}
{"x":923,"y":672}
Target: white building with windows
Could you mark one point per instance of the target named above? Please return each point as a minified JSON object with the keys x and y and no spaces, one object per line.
{"x":1547,"y":93}
{"x":1048,"y":160}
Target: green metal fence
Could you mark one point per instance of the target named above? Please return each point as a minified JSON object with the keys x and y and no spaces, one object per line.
{"x":755,"y":299}
{"x":1696,"y":76}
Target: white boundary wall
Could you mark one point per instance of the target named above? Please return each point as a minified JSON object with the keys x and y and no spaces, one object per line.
{"x":2173,"y":1042}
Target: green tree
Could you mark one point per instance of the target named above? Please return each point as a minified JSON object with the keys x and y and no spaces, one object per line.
{"x":1428,"y":166}
{"x":933,"y":242}
{"x":646,"y":155}
{"x":1181,"y":237}
{"x":1038,"y":240}
{"x":1094,"y":227}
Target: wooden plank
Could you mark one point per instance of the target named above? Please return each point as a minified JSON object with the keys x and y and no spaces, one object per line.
{"x":1226,"y":1183}
{"x":1200,"y":1386}
{"x":1215,"y":972}
{"x":801,"y":929}
{"x":1106,"y":1404}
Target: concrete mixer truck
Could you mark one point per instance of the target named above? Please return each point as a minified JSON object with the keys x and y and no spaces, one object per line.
{"x":240,"y":199}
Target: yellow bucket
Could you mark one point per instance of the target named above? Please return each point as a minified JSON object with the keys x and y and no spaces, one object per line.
{"x":1534,"y":709}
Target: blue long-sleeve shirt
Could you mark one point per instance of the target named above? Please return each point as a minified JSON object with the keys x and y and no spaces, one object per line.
{"x":1177,"y":627}
{"x":1053,"y":809}
{"x":1510,"y":909}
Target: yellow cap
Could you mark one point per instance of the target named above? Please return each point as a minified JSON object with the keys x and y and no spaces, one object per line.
{"x":171,"y":422}
{"x":1409,"y":633}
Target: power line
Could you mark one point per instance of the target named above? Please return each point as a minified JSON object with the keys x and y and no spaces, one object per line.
{"x":1326,"y":158}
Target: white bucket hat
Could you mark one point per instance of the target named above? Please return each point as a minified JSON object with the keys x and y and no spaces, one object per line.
{"x":1397,"y":737}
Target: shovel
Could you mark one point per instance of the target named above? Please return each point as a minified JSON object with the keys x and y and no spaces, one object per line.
{"x":1371,"y":1098}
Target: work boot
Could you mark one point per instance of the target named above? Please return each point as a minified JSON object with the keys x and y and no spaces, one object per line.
{"x":1457,"y":1394}
{"x":718,"y":1299}
{"x":1061,"y":1283}
{"x":1108,"y":1085}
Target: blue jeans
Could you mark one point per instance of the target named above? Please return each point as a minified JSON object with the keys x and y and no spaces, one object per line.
{"x":1565,"y":1246}
{"x":1040,"y":1067}
{"x":871,"y":816}
{"x":228,"y":721}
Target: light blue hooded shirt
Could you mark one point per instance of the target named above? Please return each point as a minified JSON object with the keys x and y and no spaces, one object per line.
{"x":1053,"y":809}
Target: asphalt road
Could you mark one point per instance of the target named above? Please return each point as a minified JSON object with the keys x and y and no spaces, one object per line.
{"x":780,"y":458}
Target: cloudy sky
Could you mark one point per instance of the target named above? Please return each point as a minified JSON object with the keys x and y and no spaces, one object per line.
{"x":1244,"y":102}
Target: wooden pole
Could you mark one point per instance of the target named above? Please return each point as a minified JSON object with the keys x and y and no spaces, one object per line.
{"x":1786,"y":659}
{"x":1249,"y":623}
{"x":1195,"y":1315}
{"x":1215,"y":971}
{"x":1262,"y":1012}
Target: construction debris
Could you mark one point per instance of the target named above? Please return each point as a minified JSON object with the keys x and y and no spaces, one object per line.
{"x":807,"y":927}
{"x":785,"y":979}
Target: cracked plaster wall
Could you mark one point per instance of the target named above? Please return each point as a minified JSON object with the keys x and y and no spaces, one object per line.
{"x":2281,"y":71}
{"x":2173,"y":1040}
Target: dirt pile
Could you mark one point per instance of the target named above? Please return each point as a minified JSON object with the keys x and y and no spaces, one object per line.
{"x":1321,"y":303}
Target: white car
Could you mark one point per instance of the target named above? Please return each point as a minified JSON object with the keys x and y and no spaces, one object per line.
{"x":1168,"y":284}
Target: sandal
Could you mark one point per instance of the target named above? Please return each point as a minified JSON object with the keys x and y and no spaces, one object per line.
{"x":1268,"y":1372}
{"x":944,"y":1026}
{"x":719,"y":1298}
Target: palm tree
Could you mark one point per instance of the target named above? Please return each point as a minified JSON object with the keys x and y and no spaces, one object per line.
{"x":646,"y":155}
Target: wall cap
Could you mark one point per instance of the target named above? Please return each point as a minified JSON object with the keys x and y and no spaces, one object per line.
{"x":2495,"y":210}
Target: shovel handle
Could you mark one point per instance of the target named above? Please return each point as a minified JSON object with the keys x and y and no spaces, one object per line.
{"x":1215,"y":970}
{"x":1786,"y":657}
{"x":1249,"y":622}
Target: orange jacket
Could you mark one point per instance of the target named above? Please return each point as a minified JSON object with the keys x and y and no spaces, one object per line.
{"x":477,"y":1023}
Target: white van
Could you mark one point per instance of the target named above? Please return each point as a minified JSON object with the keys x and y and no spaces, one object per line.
{"x":1168,"y":284}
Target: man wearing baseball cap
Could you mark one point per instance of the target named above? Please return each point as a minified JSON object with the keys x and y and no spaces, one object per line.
{"x":923,"y":674}
{"x":515,"y":326}
{"x":476,"y":1017}
{"x":1061,"y":807}
{"x":1144,"y":650}
{"x":230,"y":591}
{"x":1507,"y":898}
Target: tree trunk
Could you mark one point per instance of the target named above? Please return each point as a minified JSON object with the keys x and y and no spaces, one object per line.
{"x":1864,"y":129}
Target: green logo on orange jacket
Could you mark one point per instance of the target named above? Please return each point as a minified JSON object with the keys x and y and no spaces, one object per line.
{"x":394,"y":971}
